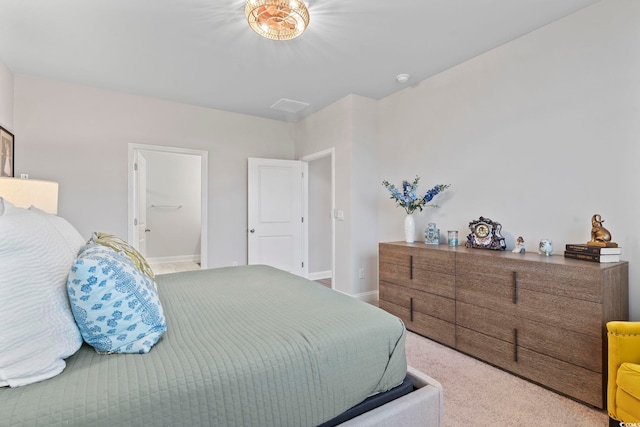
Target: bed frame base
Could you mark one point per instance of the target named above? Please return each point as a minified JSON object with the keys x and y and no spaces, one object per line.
{"x":422,"y":407}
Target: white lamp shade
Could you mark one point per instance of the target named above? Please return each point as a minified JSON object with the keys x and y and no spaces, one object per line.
{"x":24,"y":193}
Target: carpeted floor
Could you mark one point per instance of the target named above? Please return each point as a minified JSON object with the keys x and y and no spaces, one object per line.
{"x":477,"y":394}
{"x":174,"y":267}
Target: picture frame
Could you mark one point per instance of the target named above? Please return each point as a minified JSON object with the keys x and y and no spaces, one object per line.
{"x":7,"y":144}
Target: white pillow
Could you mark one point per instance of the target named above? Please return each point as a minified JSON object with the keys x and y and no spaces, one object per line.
{"x":37,"y":329}
{"x":67,"y":231}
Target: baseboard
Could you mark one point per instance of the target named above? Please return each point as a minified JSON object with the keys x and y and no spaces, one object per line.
{"x":319,"y":275}
{"x":370,"y":297}
{"x":179,"y":258}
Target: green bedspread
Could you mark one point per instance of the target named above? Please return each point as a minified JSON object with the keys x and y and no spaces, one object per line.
{"x":245,"y":346}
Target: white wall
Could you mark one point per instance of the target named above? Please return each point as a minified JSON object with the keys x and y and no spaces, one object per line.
{"x":538,"y":134}
{"x":79,"y":136}
{"x":173,"y":180}
{"x":6,"y":97}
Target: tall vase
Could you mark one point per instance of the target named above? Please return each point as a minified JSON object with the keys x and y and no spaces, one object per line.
{"x":409,"y":229}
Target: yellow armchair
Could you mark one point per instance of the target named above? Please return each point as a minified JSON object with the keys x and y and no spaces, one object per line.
{"x":623,"y":383}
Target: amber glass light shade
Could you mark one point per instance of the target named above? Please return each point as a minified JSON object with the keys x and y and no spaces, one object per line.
{"x":277,"y":19}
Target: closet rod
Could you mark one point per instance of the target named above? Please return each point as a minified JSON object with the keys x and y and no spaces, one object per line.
{"x":167,"y":206}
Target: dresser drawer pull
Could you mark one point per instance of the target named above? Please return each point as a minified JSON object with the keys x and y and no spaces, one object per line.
{"x":515,"y":345}
{"x":411,"y":267}
{"x":411,"y":309}
{"x":515,"y":287}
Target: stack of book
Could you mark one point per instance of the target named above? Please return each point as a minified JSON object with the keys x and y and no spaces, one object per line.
{"x":592,"y":253}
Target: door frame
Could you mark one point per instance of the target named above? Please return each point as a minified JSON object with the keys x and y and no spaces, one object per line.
{"x":330,"y":152}
{"x":204,"y":200}
{"x":140,"y":228}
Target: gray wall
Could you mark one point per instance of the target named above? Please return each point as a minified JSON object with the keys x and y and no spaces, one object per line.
{"x":173,"y":179}
{"x":6,"y":98}
{"x":538,"y":134}
{"x":79,"y":136}
{"x":349,"y":126}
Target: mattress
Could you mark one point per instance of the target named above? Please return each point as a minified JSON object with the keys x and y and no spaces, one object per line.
{"x":245,"y":346}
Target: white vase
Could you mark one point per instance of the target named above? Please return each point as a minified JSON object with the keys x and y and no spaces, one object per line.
{"x":409,"y":229}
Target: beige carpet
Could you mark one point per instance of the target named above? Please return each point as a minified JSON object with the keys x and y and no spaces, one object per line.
{"x":478,"y":395}
{"x":174,"y":267}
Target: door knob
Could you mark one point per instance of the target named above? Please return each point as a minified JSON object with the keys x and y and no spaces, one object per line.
{"x":253,"y":230}
{"x":146,"y":230}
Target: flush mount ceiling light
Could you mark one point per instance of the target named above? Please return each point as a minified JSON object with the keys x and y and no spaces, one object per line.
{"x":277,"y":19}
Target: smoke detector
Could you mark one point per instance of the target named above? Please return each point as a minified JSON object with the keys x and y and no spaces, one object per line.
{"x":402,"y":78}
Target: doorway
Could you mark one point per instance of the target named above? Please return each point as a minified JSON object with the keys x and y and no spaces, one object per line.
{"x":268,"y":213}
{"x":320,"y":209}
{"x":168,"y":205}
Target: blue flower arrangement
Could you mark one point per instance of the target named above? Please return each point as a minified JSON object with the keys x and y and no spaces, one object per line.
{"x":408,"y":198}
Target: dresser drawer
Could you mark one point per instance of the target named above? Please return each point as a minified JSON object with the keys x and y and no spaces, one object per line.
{"x":431,"y":327}
{"x":422,"y":302}
{"x":574,"y":381}
{"x":552,"y":275}
{"x":421,"y":279}
{"x":575,"y":348}
{"x":572,"y":314}
{"x":429,"y":259}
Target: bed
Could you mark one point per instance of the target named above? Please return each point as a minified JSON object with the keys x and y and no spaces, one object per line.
{"x":244,"y":346}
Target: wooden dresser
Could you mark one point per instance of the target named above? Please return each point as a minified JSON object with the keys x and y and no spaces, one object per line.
{"x":542,"y":318}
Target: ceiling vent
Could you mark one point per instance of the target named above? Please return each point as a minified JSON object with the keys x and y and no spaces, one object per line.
{"x":289,"y":106}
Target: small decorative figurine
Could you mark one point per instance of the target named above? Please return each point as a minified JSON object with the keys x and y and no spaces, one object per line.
{"x":546,"y":247}
{"x":600,"y":236}
{"x":432,"y":234}
{"x":519,"y":249}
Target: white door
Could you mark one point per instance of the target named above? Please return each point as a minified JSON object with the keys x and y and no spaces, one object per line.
{"x":140,"y":174}
{"x":275,"y":223}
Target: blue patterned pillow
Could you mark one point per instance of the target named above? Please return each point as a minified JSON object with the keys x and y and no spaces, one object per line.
{"x":116,"y":307}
